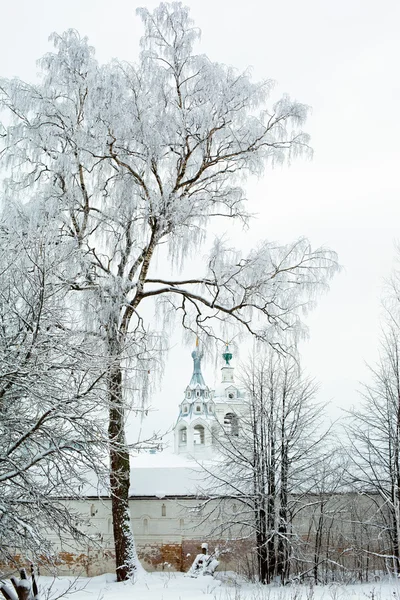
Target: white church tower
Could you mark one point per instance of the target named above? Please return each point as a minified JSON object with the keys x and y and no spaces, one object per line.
{"x":196,"y":415}
{"x":205,"y":414}
{"x":229,"y":398}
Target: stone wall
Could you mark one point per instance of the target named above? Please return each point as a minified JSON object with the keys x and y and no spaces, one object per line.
{"x":169,"y":532}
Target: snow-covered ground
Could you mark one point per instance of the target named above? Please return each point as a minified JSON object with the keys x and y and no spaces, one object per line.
{"x":176,"y":586}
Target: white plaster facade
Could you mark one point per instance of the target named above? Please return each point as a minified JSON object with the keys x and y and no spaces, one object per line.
{"x":160,"y":525}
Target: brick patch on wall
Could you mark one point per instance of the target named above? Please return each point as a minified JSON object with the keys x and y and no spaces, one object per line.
{"x":154,"y":557}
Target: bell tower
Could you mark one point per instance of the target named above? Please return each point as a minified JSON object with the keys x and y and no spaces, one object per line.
{"x":196,"y":414}
{"x":206,"y":415}
{"x":229,"y":398}
{"x":227,"y":369}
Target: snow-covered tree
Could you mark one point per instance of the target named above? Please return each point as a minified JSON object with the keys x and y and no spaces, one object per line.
{"x":323,"y":552}
{"x":374,"y":442}
{"x":138,"y":157}
{"x":267,"y":465}
{"x":50,"y":391}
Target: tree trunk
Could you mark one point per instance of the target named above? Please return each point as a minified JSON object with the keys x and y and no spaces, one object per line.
{"x":395,"y":537}
{"x":271,"y":519}
{"x":282,"y":567}
{"x":262,"y":553}
{"x":270,"y":456}
{"x":120,"y":479}
{"x":318,"y":541}
{"x":396,"y":490}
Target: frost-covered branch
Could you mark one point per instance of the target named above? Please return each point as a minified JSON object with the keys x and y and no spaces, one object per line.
{"x":51,"y":385}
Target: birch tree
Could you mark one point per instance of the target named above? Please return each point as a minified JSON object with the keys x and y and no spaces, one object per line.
{"x":138,"y":157}
{"x":51,"y":433}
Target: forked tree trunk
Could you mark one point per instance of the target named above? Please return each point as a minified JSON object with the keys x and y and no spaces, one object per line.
{"x":120,"y":479}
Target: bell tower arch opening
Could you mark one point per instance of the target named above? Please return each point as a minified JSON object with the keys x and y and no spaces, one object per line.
{"x":198,"y":435}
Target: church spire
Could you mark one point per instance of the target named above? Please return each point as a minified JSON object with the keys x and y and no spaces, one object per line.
{"x":197,"y":377}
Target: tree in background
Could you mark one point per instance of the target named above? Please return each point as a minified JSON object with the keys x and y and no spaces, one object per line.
{"x":374,"y":440}
{"x":135,"y":158}
{"x":271,"y":459}
{"x":50,"y":391}
{"x":326,"y":511}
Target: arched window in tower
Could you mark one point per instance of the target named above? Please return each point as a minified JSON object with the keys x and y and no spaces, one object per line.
{"x":198,"y":434}
{"x":185,"y":409}
{"x":231,"y":424}
{"x":188,"y":394}
{"x":183,"y":436}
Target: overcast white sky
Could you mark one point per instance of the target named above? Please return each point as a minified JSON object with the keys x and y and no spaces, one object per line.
{"x":340,"y":57}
